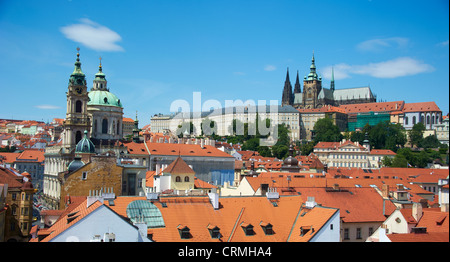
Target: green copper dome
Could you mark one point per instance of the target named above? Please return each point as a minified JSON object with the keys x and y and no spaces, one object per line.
{"x":75,"y":164}
{"x":103,"y":98}
{"x":85,"y":145}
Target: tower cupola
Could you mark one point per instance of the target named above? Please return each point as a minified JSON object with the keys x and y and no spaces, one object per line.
{"x":100,"y":82}
{"x":77,"y":77}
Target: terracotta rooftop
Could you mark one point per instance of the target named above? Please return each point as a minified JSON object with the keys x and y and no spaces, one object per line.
{"x":420,"y":237}
{"x":373,"y":107}
{"x":234,"y":215}
{"x":178,"y":166}
{"x":421,"y":107}
{"x":184,"y":150}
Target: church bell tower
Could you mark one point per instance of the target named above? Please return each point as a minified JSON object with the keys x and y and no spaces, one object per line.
{"x":77,"y":119}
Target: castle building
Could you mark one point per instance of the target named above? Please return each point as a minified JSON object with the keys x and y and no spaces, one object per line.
{"x":314,"y":95}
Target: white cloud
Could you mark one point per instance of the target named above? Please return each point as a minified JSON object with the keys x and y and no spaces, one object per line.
{"x":47,"y":107}
{"x":93,"y":35}
{"x":445,"y":43}
{"x":270,"y":68}
{"x":375,"y":45}
{"x":399,"y":67}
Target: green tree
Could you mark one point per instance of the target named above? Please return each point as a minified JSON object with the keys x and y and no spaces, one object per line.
{"x":357,"y":136}
{"x":386,"y":135}
{"x":399,"y":161}
{"x":430,"y":141}
{"x":422,"y":159}
{"x":387,"y":161}
{"x":326,"y":131}
{"x":280,"y":151}
{"x":416,"y":134}
{"x":264,"y":151}
{"x":283,"y":135}
{"x":307,"y":148}
{"x":251,"y":144}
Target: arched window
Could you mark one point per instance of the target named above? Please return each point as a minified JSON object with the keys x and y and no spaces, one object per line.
{"x":178,"y":179}
{"x":414,"y":120}
{"x":186,"y":179}
{"x":78,"y":106}
{"x":118,"y":127}
{"x":105,"y":126}
{"x":95,"y":126}
{"x":433,"y":120}
{"x":77,"y":137}
{"x":428,"y":119}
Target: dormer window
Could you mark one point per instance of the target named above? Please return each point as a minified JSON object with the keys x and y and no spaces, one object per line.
{"x":214,"y":231}
{"x":248,"y":229}
{"x":184,"y":232}
{"x":305,"y":229}
{"x":267,"y":228}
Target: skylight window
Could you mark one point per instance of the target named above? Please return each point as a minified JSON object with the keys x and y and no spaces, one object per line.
{"x":142,"y":210}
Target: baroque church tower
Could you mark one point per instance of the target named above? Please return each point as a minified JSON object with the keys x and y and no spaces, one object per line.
{"x":77,"y":119}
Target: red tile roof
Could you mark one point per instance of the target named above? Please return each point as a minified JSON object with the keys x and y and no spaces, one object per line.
{"x":373,"y":107}
{"x":386,"y":152}
{"x":324,"y":109}
{"x":178,"y":166}
{"x":197,"y":214}
{"x":420,"y":237}
{"x":356,"y":204}
{"x":434,"y":221}
{"x":31,"y":155}
{"x":421,"y":107}
{"x":184,"y":150}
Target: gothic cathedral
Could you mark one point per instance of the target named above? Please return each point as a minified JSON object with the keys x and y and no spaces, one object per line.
{"x":316,"y":96}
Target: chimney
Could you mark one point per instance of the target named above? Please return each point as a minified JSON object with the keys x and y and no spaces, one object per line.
{"x":94,"y":196}
{"x":424,"y":202}
{"x":272,"y":194}
{"x":214,"y":199}
{"x":444,"y":207}
{"x":385,"y":191}
{"x":142,"y":227}
{"x":310,"y":203}
{"x":417,"y":211}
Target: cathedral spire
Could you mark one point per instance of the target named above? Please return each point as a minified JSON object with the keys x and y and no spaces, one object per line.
{"x":287,"y":98}
{"x":297,"y":88}
{"x":332,"y":79}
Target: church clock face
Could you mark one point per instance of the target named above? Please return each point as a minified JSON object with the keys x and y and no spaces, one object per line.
{"x":79,"y":90}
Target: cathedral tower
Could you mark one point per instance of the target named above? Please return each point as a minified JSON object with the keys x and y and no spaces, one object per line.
{"x":312,"y":85}
{"x":77,"y":120}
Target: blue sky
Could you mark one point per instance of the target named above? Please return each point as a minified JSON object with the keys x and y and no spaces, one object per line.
{"x":155,"y":52}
